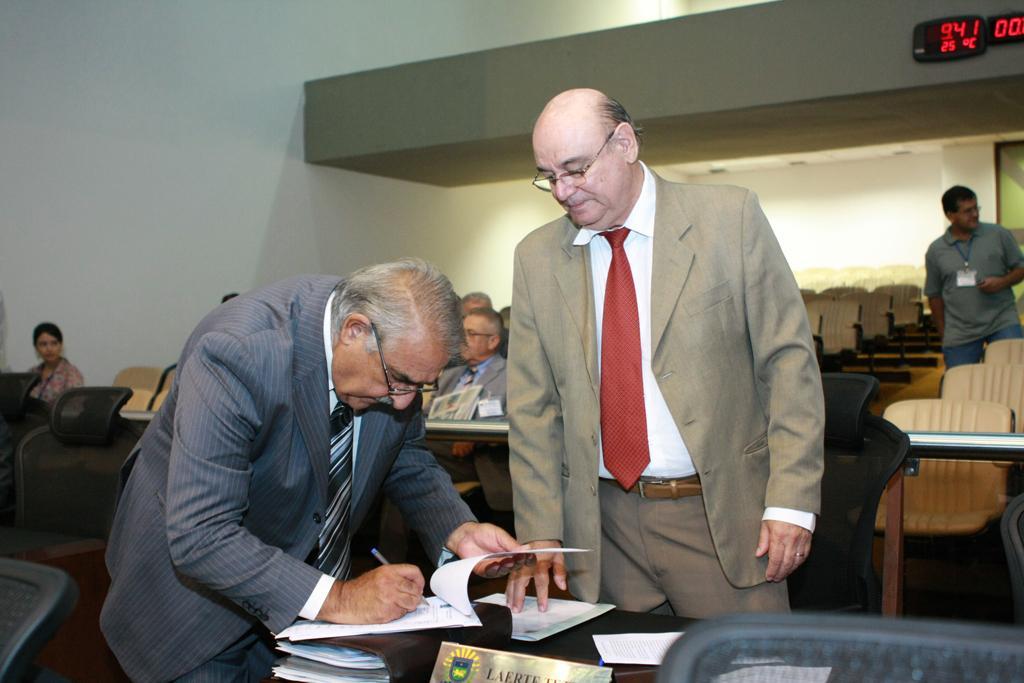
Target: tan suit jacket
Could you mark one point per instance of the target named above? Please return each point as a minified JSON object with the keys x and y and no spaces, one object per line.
{"x":733,"y":357}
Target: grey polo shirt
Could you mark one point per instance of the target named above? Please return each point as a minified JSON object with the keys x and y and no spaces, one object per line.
{"x":970,"y":313}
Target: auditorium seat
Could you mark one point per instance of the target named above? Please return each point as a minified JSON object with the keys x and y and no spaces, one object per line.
{"x":988,"y":382}
{"x":951,"y":497}
{"x":1005,"y":352}
{"x":840,"y":292}
{"x":840,"y":329}
{"x":139,"y":377}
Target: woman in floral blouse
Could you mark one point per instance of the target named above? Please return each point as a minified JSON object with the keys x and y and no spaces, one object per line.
{"x":56,"y":372}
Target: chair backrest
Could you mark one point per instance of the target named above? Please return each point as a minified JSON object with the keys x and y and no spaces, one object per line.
{"x":951,"y":497}
{"x":901,"y":294}
{"x":839,"y":292}
{"x":843,"y":647}
{"x":139,"y":377}
{"x":67,"y":474}
{"x":988,"y":382}
{"x":36,"y":600}
{"x":21,"y":412}
{"x":862,"y":451}
{"x":876,"y":308}
{"x":1005,"y":352}
{"x":1013,"y":543}
{"x":838,"y":321}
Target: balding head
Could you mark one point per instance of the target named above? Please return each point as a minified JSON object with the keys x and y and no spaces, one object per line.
{"x":579,"y":129}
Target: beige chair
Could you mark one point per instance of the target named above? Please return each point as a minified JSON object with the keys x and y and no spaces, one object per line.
{"x":901,"y":294}
{"x":140,"y":400}
{"x":875,"y":313}
{"x":840,"y":324}
{"x":951,"y":497}
{"x":988,"y":382}
{"x":139,"y":377}
{"x":1005,"y":352}
{"x":840,"y":292}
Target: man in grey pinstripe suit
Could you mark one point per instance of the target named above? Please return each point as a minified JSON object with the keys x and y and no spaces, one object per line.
{"x":224,"y":497}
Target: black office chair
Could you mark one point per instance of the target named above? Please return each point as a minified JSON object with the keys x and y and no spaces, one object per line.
{"x":844,"y":648}
{"x":22,"y":412}
{"x":1013,"y":542}
{"x":67,"y":474}
{"x":862,"y":451}
{"x":35,"y":599}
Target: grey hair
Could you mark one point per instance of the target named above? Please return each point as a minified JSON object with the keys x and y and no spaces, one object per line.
{"x":613,"y":110}
{"x":477,"y":296}
{"x":402,"y":298}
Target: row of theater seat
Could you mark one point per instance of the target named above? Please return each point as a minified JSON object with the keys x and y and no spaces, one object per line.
{"x":848,"y":321}
{"x":868,"y":278}
{"x":954,"y":497}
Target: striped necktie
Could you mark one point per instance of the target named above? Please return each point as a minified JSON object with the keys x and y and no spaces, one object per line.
{"x":335,"y":557}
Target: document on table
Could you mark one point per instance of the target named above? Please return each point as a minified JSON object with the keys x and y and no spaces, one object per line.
{"x":450,"y":581}
{"x":634,"y":648}
{"x":435,"y":614}
{"x":308,"y":671}
{"x":531,"y":624}
{"x":335,"y":655}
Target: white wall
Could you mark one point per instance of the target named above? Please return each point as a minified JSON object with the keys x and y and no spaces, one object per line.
{"x":151,"y":156}
{"x":151,"y":162}
{"x":854,"y":213}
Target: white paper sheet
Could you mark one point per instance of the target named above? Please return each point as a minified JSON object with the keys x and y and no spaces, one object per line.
{"x":434,"y":614}
{"x":531,"y":624}
{"x":450,"y":581}
{"x":634,"y":648}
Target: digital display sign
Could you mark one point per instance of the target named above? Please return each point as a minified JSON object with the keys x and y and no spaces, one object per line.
{"x":949,"y":38}
{"x":1006,"y":28}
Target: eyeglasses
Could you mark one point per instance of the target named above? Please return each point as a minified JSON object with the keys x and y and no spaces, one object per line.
{"x":406,"y":388}
{"x":547,"y":182}
{"x":470,"y":334}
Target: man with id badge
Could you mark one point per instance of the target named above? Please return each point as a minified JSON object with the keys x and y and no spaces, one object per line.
{"x":970,"y":272}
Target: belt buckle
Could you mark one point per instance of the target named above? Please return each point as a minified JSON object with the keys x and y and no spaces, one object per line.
{"x":641,"y":484}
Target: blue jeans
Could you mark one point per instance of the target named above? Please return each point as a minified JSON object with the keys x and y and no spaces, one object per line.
{"x":970,"y":352}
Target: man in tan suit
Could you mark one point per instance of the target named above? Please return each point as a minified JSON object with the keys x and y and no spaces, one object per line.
{"x":696,"y":480}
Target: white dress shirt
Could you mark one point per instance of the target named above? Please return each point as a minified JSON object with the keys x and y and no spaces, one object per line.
{"x":670,"y":457}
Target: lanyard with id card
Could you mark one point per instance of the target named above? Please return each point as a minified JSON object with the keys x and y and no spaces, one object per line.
{"x":966,"y":276}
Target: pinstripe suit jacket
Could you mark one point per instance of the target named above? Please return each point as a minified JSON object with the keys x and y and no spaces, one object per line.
{"x":224,"y":495}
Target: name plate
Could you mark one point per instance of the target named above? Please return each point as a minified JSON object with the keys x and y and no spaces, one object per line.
{"x":458,"y":663}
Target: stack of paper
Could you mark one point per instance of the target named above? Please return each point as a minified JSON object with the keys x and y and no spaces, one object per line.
{"x":434,"y":614}
{"x":531,"y":624}
{"x":318,"y":663}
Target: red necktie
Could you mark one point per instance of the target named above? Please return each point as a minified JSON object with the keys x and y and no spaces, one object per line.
{"x":623,"y":416}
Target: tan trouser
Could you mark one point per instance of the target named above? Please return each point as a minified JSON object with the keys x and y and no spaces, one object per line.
{"x":655,"y":552}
